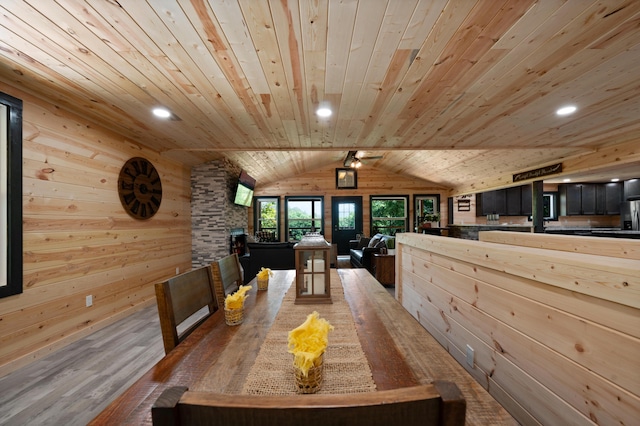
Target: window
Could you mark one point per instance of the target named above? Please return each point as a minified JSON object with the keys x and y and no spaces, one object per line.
{"x":304,"y":214}
{"x":266,"y":211}
{"x":550,"y":205}
{"x":389,"y":214}
{"x":426,"y":208}
{"x":10,"y":195}
{"x":347,"y":216}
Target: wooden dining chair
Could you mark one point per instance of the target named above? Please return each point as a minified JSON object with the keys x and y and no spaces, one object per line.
{"x":440,"y":403}
{"x":179,"y":298}
{"x":227,"y":277}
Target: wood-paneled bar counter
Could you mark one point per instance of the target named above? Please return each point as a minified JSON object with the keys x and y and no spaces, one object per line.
{"x":553,"y":320}
{"x":219,"y":358}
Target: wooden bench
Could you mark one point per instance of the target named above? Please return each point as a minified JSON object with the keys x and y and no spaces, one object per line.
{"x":440,"y":403}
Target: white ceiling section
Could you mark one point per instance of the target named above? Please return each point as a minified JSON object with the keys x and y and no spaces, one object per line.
{"x":451,"y":91}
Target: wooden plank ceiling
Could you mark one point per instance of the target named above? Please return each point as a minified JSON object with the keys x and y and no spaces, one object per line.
{"x":450,"y":91}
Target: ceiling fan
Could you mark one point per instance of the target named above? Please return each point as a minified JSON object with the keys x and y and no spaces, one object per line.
{"x":354,"y":160}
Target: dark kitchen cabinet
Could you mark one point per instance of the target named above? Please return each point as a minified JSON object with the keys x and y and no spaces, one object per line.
{"x":590,"y":199}
{"x":526,"y":196}
{"x":608,"y":198}
{"x":631,"y":188}
{"x":485,"y":203}
{"x":492,"y":202}
{"x":570,"y":200}
{"x":514,"y":201}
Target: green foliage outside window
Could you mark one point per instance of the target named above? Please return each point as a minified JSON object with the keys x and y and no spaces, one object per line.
{"x":346,"y":222}
{"x":389,"y":215}
{"x":268,"y":219}
{"x":304,"y":216}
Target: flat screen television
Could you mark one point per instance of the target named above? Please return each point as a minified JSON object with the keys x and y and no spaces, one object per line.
{"x":244,"y":191}
{"x":244,"y":195}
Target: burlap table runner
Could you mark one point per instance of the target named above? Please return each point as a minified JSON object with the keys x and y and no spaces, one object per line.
{"x":346,"y":369}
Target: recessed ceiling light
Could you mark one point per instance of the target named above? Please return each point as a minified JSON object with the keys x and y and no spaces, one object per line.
{"x":323,"y":112}
{"x":566,"y":180}
{"x":615,"y":180}
{"x":566,"y":110}
{"x":161,"y":112}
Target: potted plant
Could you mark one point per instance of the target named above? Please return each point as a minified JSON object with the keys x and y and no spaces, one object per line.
{"x":430,"y":219}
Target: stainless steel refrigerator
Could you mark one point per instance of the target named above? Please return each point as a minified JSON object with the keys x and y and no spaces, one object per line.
{"x":630,"y":215}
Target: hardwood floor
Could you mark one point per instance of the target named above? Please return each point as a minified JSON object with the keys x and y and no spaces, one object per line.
{"x":74,"y":384}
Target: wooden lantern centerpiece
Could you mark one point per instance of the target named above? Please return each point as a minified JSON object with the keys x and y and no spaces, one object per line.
{"x":312,"y":270}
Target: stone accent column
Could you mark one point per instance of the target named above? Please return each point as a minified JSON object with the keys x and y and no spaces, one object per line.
{"x":213,"y":213}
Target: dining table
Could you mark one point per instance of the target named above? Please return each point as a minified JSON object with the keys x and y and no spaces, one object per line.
{"x":375,"y":345}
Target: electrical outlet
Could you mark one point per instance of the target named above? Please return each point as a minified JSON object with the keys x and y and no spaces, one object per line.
{"x":470,"y":356}
{"x":177,"y":270}
{"x":89,"y":300}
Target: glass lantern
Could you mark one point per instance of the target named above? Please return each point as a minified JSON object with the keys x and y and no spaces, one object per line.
{"x":312,"y":270}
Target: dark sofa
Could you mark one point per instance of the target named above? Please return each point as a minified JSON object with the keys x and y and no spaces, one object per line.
{"x":362,"y":250}
{"x":267,"y":255}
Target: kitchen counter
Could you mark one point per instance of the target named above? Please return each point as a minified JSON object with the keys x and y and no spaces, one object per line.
{"x":618,"y":233}
{"x":593,"y":232}
{"x":470,"y":231}
{"x":484,"y":225}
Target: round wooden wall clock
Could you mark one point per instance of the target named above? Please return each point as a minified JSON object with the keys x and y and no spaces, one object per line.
{"x":140,"y":188}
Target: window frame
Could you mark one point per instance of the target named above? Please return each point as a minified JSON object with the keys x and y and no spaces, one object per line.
{"x":416,"y":211}
{"x":554,"y":198}
{"x":256,"y":213}
{"x":312,"y":198}
{"x":12,"y":252}
{"x":373,"y":198}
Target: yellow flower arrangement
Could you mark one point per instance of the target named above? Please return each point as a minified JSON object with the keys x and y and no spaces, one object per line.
{"x":308,"y":341}
{"x":236,"y":300}
{"x":264,"y":274}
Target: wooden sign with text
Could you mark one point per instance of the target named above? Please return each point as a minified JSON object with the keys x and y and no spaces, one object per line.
{"x":543,"y":171}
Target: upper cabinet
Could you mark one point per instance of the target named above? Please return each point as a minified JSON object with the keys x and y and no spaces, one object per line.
{"x":526,"y":195}
{"x":631,"y":188}
{"x":608,"y":198}
{"x":590,"y":198}
{"x":574,"y":199}
{"x":515,"y":201}
{"x":492,"y":202}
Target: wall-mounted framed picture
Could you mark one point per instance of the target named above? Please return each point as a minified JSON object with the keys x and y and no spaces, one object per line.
{"x":346,"y":179}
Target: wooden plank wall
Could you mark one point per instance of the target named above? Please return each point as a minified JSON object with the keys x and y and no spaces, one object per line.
{"x":371,"y":181}
{"x":555,"y":333}
{"x":78,"y":240}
